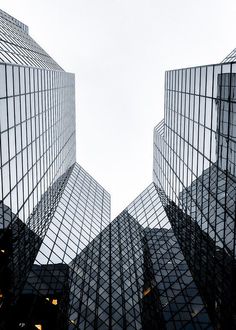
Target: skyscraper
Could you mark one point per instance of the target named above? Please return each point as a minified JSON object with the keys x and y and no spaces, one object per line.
{"x":168,"y":260}
{"x":50,"y":206}
{"x":194,"y":165}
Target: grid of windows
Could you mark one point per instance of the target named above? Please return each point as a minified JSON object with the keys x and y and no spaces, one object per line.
{"x":51,"y":208}
{"x":13,"y":20}
{"x":231,"y":57}
{"x":82,"y":212}
{"x":37,"y":130}
{"x":20,"y":242}
{"x":16,"y":46}
{"x":194,"y":165}
{"x":79,"y":215}
{"x":133,"y":275}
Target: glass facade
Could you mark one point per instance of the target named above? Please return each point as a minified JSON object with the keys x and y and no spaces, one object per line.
{"x":231,"y":57}
{"x":17,"y":47}
{"x":50,"y":208}
{"x":194,"y":166}
{"x":168,"y":260}
{"x":133,"y":275}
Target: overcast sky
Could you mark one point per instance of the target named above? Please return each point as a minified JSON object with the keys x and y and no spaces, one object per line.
{"x":119,"y":51}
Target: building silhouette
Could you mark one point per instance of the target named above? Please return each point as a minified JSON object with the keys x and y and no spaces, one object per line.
{"x":165,"y":262}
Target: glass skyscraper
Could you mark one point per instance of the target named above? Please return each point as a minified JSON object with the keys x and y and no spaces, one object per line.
{"x":51,"y":208}
{"x":168,"y":260}
{"x":194,"y":165}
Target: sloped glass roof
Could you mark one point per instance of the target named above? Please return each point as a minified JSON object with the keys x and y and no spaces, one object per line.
{"x":17,"y":46}
{"x":231,"y":57}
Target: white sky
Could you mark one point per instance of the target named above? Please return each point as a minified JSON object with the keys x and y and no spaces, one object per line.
{"x":119,"y":51}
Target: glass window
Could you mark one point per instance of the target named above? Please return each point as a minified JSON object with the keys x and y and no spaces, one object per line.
{"x":11,"y":117}
{"x":3,"y":117}
{"x":9,"y":81}
{"x":3,"y":81}
{"x":17,"y":110}
{"x":16,"y":80}
{"x":22,"y":80}
{"x":4,"y":147}
{"x":12,"y":142}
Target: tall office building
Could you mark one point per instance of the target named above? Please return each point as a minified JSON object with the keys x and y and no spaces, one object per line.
{"x":194,"y":165}
{"x":51,"y":208}
{"x":168,"y":260}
